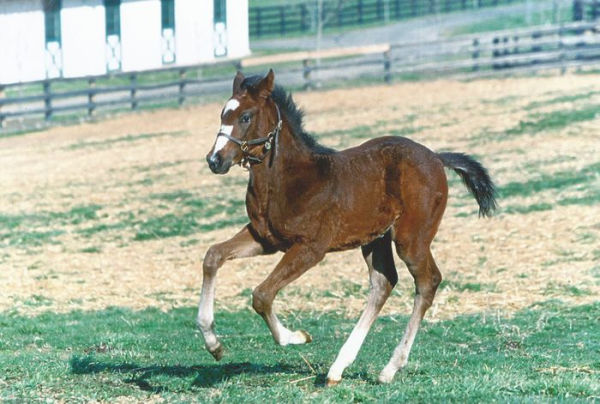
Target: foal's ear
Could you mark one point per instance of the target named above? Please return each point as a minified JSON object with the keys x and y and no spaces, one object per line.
{"x":266,"y":85}
{"x":237,"y":82}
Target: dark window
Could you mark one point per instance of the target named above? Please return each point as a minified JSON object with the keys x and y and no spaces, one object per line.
{"x":220,"y":11}
{"x":168,"y":13}
{"x":113,"y":17}
{"x":52,"y":20}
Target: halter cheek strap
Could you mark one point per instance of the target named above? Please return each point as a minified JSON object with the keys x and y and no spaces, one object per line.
{"x":248,"y":160}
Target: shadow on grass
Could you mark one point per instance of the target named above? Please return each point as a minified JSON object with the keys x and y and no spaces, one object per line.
{"x":206,"y":375}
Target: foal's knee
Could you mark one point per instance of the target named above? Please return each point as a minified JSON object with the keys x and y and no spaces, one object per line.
{"x":260,"y":301}
{"x":213,"y":259}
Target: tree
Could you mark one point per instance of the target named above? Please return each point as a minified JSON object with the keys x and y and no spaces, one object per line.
{"x":323,"y":16}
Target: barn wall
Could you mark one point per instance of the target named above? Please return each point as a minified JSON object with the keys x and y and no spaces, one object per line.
{"x":193,"y":31}
{"x":141,"y":34}
{"x":22,"y":41}
{"x":83,"y":37}
{"x":237,"y":28}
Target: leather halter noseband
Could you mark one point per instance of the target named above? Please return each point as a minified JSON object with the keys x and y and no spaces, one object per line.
{"x":248,"y":160}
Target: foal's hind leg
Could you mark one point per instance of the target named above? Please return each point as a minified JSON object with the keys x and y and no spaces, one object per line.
{"x":241,"y":245}
{"x":427,"y":278}
{"x":383,"y":278}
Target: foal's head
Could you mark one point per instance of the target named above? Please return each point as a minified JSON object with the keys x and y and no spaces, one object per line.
{"x":248,"y":117}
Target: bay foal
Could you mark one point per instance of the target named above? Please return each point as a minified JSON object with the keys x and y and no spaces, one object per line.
{"x":307,"y":200}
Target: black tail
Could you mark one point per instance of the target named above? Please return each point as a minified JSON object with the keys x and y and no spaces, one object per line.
{"x":476,"y":179}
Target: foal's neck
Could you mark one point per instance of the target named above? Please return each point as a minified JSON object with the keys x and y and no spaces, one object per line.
{"x":288,"y":151}
{"x":288,"y":157}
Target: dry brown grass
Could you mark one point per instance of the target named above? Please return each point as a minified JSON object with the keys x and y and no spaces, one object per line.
{"x":506,"y":263}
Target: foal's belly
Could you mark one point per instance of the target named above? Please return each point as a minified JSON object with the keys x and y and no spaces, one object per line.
{"x":360,"y":226}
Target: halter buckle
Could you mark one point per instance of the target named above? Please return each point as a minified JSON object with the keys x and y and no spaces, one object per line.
{"x":244,"y":146}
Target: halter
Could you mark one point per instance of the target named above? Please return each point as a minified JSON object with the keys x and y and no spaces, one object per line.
{"x":249,"y":160}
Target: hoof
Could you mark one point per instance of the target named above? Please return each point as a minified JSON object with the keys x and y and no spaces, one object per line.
{"x":307,"y":336}
{"x":217,"y":353}
{"x":385,"y":378}
{"x":331,"y":382}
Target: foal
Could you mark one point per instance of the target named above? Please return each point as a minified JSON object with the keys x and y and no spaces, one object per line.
{"x":306,"y":200}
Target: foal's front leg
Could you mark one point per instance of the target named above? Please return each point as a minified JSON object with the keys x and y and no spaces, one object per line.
{"x":241,"y":245}
{"x":297,"y":260}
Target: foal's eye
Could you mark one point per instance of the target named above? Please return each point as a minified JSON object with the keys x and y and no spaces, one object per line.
{"x":245,"y":118}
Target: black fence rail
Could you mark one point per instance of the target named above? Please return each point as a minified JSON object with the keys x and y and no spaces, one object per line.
{"x":302,"y":17}
{"x":574,"y":45}
{"x":48,"y":100}
{"x":504,"y":52}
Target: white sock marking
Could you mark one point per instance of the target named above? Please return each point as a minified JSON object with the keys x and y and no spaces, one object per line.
{"x":348,"y":353}
{"x":287,"y":337}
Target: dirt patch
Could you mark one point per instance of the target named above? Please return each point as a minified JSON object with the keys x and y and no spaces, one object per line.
{"x":75,"y":201}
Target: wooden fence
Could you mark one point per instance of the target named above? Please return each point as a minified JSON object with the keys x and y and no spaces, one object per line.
{"x":586,"y":10}
{"x":302,"y":17}
{"x":503,"y":52}
{"x":496,"y":53}
{"x":131,"y":90}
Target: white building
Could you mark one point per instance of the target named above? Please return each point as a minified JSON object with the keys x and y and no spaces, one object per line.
{"x":42,"y":39}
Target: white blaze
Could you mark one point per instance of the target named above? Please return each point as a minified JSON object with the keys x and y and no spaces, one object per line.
{"x":222,"y":140}
{"x":231,"y":105}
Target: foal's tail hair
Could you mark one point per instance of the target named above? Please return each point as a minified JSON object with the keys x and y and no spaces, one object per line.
{"x":476,"y":179}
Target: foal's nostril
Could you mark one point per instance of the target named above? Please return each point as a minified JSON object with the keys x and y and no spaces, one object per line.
{"x":214,"y":161}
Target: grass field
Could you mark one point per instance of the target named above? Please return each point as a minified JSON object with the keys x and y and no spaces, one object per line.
{"x":103,"y":227}
{"x":547,"y":351}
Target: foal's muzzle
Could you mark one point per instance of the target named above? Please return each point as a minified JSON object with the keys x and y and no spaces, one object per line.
{"x":216,"y":164}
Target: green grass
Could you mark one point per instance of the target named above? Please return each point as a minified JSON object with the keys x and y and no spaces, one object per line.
{"x":548,"y":352}
{"x":173,"y":214}
{"x":468,"y":286}
{"x":506,"y":22}
{"x":555,"y":120}
{"x":562,"y":99}
{"x":539,"y":123}
{"x":556,"y":181}
{"x":562,"y":289}
{"x":36,"y":229}
{"x":582,"y":180}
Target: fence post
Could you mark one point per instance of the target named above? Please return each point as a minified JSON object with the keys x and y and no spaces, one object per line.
{"x":1,"y":98}
{"x":303,"y":14}
{"x":387,"y":66}
{"x":475,"y":54}
{"x":359,"y":9}
{"x":578,"y":10}
{"x":397,"y":9}
{"x":91,"y":96}
{"x":133,"y":84}
{"x":563,"y":66}
{"x":306,"y":70}
{"x":47,"y":100}
{"x":258,"y":22}
{"x":182,"y":74}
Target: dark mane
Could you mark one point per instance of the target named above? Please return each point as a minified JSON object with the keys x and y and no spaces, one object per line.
{"x":292,"y":112}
